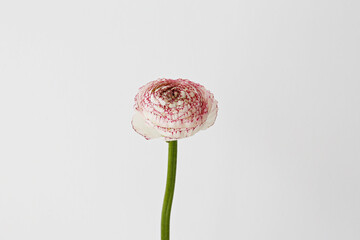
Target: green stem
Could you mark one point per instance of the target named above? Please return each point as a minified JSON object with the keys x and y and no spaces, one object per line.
{"x":169,"y":191}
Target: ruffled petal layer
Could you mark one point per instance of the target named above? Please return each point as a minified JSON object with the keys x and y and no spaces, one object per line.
{"x":173,"y":109}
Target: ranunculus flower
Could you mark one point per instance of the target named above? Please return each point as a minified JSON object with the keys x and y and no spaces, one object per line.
{"x":173,"y":109}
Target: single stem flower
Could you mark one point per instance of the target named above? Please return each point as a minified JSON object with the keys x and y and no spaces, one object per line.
{"x":172,"y":109}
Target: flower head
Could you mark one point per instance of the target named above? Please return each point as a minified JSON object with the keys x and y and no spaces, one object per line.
{"x":173,"y":109}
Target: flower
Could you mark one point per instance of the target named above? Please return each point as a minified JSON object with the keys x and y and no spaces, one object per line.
{"x":173,"y":109}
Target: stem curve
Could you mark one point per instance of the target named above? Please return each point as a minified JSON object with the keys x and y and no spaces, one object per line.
{"x":169,"y":191}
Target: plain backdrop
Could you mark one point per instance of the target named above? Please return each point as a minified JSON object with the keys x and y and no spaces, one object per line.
{"x":280,"y":163}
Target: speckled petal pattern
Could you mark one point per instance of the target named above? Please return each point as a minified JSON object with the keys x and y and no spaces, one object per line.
{"x":173,"y":109}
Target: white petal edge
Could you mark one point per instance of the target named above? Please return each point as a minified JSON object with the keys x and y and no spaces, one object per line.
{"x":211,"y":117}
{"x":140,"y":126}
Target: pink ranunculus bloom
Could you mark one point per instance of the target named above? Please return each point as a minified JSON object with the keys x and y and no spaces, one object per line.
{"x":173,"y":109}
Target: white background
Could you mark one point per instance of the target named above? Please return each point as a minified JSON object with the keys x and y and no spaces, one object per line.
{"x":280,"y":163}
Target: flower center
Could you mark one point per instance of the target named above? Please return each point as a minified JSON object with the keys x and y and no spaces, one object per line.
{"x":171,"y":95}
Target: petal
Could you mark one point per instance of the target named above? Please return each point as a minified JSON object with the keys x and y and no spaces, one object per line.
{"x":140,"y":126}
{"x":178,"y":133}
{"x":212,"y":116}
